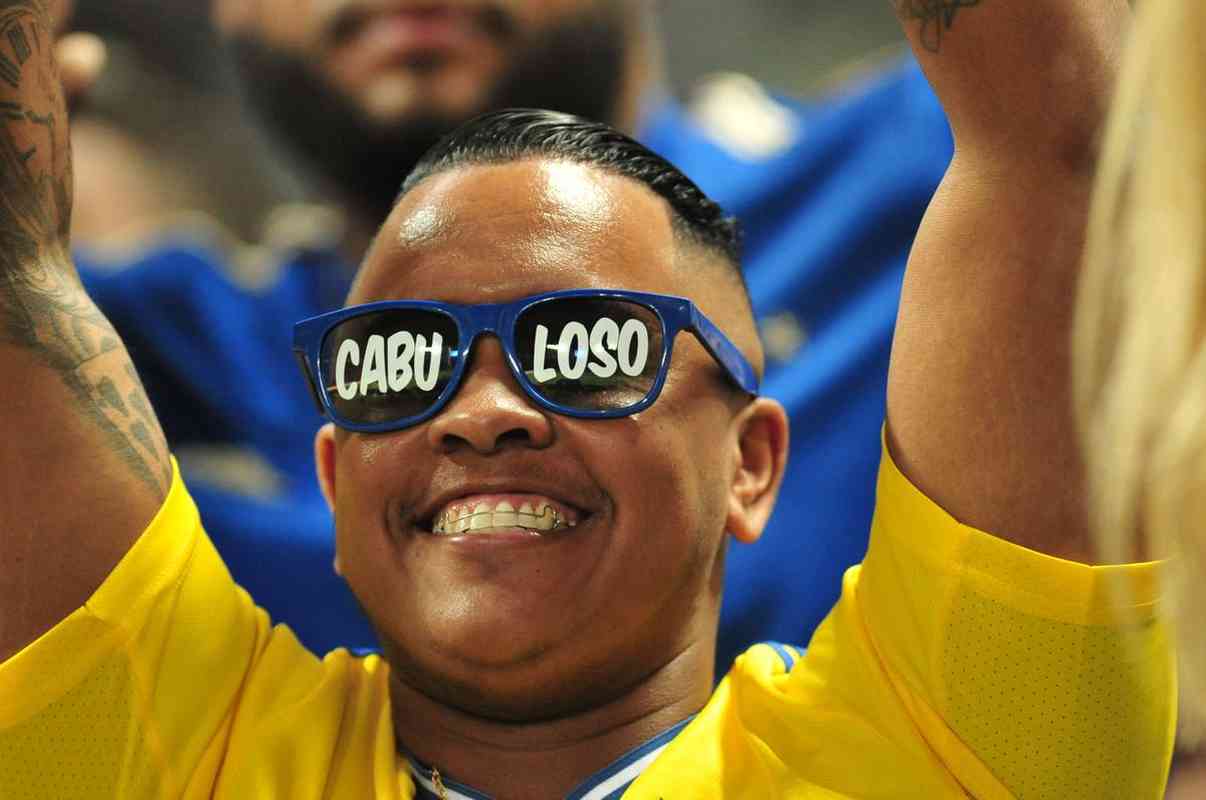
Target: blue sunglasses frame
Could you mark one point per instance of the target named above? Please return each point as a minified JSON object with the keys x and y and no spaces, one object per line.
{"x":472,"y":321}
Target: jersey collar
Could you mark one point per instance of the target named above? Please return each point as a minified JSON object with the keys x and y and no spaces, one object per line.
{"x":608,"y":783}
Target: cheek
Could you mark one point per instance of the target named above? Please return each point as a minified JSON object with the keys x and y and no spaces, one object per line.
{"x":668,"y":512}
{"x":362,"y":537}
{"x":693,"y":433}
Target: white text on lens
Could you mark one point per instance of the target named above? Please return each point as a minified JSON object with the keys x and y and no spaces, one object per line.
{"x":606,"y":347}
{"x":389,"y":364}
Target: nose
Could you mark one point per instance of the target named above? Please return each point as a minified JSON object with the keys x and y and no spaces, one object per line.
{"x":489,"y":410}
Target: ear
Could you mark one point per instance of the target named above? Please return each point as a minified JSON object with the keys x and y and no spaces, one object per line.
{"x":324,"y":465}
{"x":759,"y":462}
{"x":324,"y":462}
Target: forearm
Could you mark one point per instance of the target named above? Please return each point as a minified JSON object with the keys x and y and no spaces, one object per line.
{"x":83,"y":464}
{"x":979,"y":409}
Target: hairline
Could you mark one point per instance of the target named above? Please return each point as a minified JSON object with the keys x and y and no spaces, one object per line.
{"x":684,"y":233}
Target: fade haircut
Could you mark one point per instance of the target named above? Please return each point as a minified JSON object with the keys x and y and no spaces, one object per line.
{"x":518,"y":133}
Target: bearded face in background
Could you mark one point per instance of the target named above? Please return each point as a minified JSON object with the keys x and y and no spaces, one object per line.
{"x":361,"y":88}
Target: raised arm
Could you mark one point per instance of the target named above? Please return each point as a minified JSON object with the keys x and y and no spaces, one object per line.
{"x":83,"y":466}
{"x":979,"y":410}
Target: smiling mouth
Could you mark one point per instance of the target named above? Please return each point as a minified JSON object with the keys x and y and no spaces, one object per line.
{"x":487,"y":514}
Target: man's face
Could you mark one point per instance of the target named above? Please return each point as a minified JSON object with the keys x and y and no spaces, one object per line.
{"x":402,"y":58}
{"x":530,"y":627}
{"x":374,"y":83}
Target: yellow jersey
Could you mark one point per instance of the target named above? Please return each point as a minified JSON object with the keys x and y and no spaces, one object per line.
{"x":955,"y":664}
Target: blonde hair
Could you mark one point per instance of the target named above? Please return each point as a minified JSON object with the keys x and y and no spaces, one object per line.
{"x":1140,"y":334}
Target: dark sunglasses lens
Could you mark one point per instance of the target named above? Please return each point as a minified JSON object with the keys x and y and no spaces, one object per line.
{"x":386,"y":366}
{"x":590,"y":354}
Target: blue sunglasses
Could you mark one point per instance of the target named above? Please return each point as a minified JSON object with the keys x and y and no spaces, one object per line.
{"x":587,"y":353}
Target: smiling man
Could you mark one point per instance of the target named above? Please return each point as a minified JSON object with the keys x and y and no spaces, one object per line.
{"x":541,"y":550}
{"x":479,"y":607}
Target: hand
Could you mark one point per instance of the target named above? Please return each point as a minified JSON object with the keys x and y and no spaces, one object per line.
{"x":81,"y":59}
{"x":81,"y":56}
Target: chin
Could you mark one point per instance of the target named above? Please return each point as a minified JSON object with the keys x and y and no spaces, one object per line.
{"x":537,"y":689}
{"x":405,"y":97}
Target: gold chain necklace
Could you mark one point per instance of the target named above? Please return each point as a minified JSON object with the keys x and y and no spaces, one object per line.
{"x":438,"y":783}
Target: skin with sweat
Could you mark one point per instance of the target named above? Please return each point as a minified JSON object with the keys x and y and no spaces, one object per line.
{"x":520,"y":663}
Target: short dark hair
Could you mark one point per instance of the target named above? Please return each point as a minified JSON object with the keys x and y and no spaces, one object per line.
{"x":518,"y":133}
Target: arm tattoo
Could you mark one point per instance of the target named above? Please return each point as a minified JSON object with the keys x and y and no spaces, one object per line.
{"x":936,"y":17}
{"x":43,"y":308}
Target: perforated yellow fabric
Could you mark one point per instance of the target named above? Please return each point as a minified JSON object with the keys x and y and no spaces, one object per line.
{"x":1028,"y":676}
{"x":43,"y":757}
{"x":1047,"y":704}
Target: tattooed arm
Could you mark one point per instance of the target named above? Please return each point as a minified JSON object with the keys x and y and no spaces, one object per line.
{"x":979,"y":414}
{"x":84,"y":466}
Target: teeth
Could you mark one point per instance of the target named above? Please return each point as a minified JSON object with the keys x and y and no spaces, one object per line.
{"x":482,"y":518}
{"x":546,"y":520}
{"x":505,"y":515}
{"x":462,"y":518}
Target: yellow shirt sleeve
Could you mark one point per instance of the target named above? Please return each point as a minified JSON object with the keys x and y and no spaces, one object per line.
{"x":170,"y":682}
{"x":1027,"y":675}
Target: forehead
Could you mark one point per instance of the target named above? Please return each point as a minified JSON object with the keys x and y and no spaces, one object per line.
{"x":493,"y":232}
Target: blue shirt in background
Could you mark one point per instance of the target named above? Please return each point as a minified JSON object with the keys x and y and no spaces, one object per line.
{"x":830,"y":194}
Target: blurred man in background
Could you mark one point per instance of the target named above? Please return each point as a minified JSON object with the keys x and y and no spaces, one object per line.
{"x":830,"y":192}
